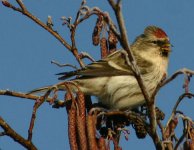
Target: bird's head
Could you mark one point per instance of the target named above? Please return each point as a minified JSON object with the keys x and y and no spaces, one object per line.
{"x":154,"y":41}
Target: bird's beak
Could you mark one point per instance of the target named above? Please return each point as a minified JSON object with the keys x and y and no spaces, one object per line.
{"x":167,"y":47}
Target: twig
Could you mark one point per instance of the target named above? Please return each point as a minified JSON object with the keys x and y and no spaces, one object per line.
{"x":181,"y":71}
{"x":72,"y":48}
{"x":63,"y":65}
{"x":177,"y":104}
{"x":27,"y":96}
{"x":15,"y":136}
{"x":185,"y":131}
{"x":86,"y":55}
{"x":161,"y":128}
{"x":2,"y":133}
{"x":37,"y":104}
{"x":21,"y":5}
{"x":36,"y":20}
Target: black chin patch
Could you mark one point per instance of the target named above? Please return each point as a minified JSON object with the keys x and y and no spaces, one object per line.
{"x":165,"y":53}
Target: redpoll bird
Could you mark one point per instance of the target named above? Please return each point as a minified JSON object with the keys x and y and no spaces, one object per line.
{"x":112,"y":81}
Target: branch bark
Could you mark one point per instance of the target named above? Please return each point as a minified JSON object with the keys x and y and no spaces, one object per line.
{"x":125,"y":44}
{"x":15,"y":136}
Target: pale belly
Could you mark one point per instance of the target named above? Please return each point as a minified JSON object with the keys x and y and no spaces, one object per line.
{"x":117,"y":92}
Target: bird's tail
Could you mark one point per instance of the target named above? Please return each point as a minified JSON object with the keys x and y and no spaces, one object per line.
{"x":62,"y":86}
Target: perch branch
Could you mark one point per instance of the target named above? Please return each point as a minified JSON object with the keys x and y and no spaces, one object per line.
{"x":125,"y":44}
{"x":58,"y":103}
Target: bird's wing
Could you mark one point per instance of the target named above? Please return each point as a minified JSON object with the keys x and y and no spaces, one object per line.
{"x":113,"y":65}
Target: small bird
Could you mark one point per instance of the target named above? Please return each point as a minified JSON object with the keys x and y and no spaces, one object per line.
{"x":112,"y":81}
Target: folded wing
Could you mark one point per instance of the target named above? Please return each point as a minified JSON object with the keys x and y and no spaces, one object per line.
{"x":113,"y":65}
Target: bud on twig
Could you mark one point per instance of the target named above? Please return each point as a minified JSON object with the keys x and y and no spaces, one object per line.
{"x":6,"y":3}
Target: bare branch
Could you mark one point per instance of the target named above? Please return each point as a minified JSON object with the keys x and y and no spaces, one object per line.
{"x":185,"y":132}
{"x":22,"y":95}
{"x":72,"y":48}
{"x":184,"y":71}
{"x":189,"y":95}
{"x":57,"y":103}
{"x":36,"y":20}
{"x":83,"y":55}
{"x":21,"y":4}
{"x":37,"y":104}
{"x":63,"y":65}
{"x":15,"y":136}
{"x":124,"y":42}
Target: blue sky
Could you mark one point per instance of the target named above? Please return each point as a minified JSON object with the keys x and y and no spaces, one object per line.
{"x":27,"y":49}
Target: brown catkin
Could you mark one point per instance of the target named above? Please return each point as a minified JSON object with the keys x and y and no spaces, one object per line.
{"x":101,"y":144}
{"x":112,"y":41}
{"x":103,"y":47}
{"x":81,"y":121}
{"x":81,"y":105}
{"x":171,"y":127}
{"x":72,"y":127}
{"x":91,"y":132}
{"x":81,"y":132}
{"x":97,"y":30}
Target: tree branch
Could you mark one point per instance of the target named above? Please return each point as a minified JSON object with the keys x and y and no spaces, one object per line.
{"x":177,"y":104}
{"x":124,"y":42}
{"x":25,"y":12}
{"x":58,"y":103}
{"x":21,"y":5}
{"x":181,"y":71}
{"x":15,"y":136}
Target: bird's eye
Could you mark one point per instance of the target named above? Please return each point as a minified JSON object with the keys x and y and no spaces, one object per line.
{"x":158,"y":42}
{"x":155,"y":42}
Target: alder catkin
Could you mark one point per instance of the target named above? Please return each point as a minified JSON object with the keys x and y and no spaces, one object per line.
{"x":97,"y":30}
{"x":112,"y":41}
{"x":103,"y":47}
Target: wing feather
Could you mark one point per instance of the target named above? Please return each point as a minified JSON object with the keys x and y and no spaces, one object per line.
{"x":113,"y":65}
